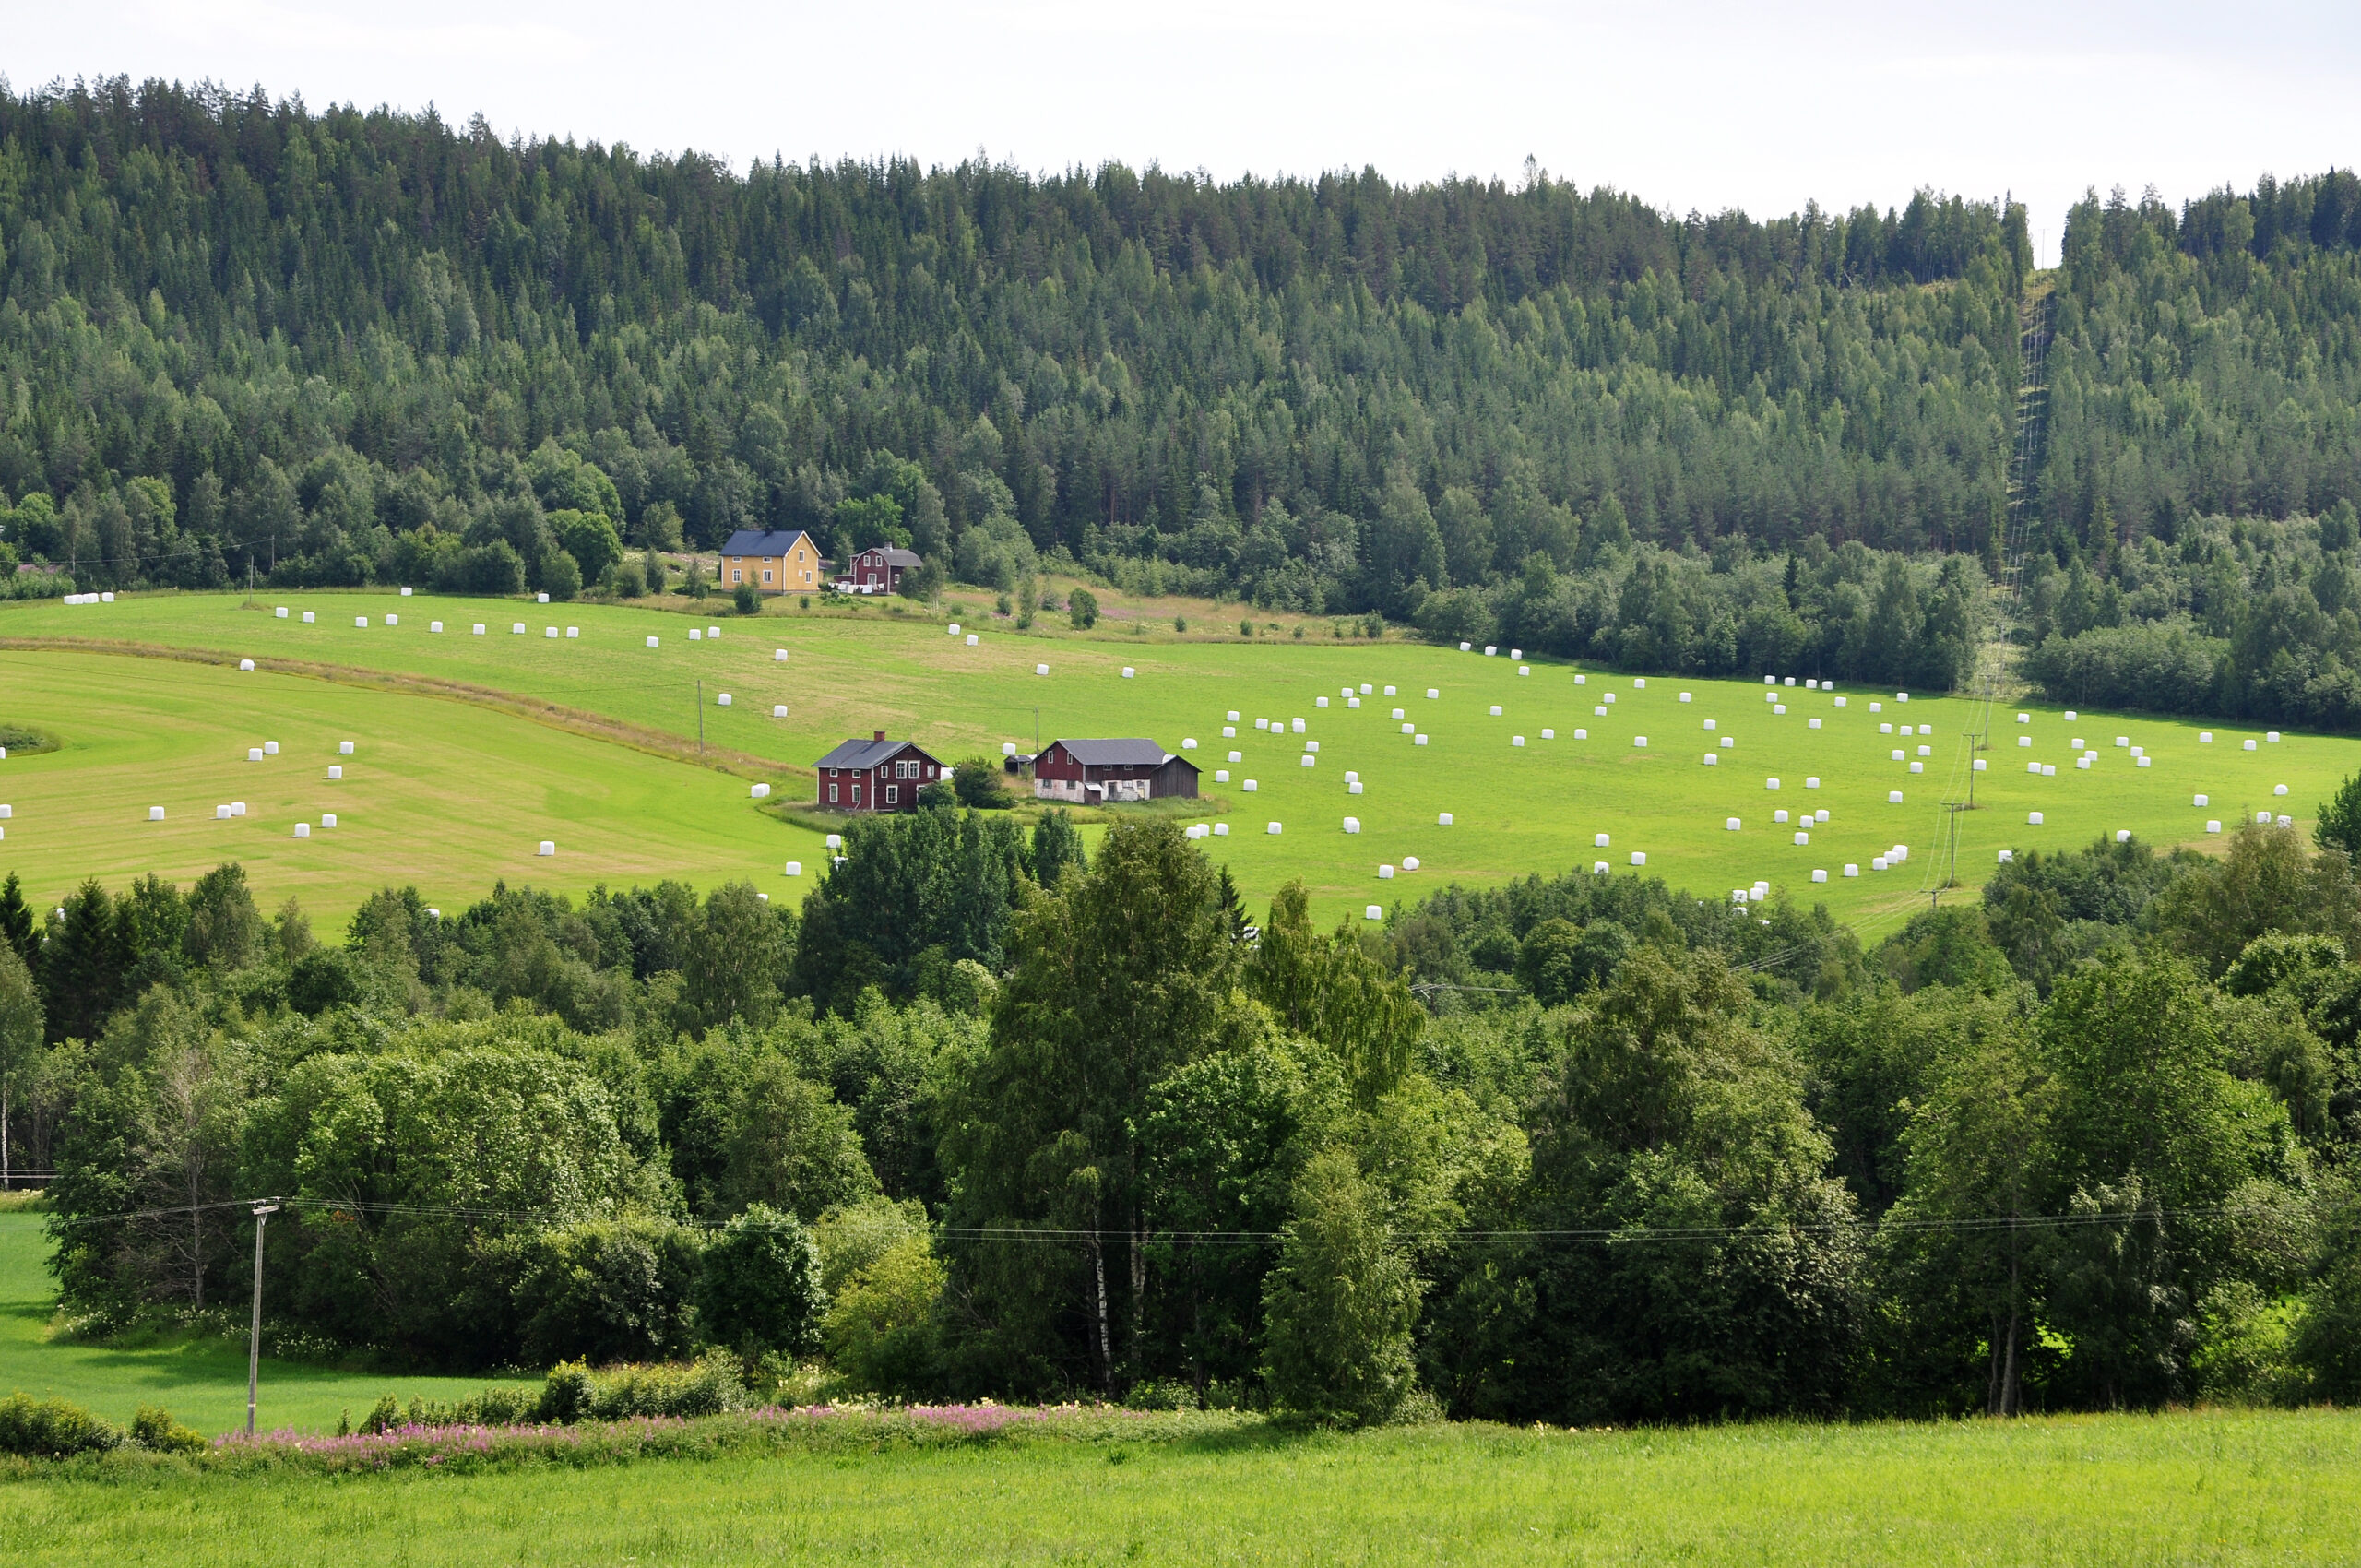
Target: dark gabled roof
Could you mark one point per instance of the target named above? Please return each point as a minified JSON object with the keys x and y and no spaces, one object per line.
{"x":897,"y":557}
{"x":1117,"y":754}
{"x":868,"y":754}
{"x":755,"y":541}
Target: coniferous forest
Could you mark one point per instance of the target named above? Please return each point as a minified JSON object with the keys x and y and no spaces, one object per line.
{"x":240,"y":338}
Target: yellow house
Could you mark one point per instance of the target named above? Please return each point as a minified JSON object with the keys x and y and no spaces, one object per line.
{"x":773,"y":562}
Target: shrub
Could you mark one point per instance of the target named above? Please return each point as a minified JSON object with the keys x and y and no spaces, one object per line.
{"x":51,"y":1429}
{"x":561,"y":575}
{"x":761,"y":1288}
{"x":977,"y":781}
{"x":1082,"y":609}
{"x":882,"y":1332}
{"x":628,"y":581}
{"x":706,"y":1387}
{"x":1179,"y":623}
{"x":749,"y":602}
{"x":154,"y":1428}
{"x":605,"y":1289}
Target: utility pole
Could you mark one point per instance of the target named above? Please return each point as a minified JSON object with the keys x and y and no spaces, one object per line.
{"x":1037,"y":731}
{"x":253,"y":1338}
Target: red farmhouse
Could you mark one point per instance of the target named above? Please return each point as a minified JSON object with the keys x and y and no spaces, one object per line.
{"x":1093,"y":772}
{"x":876,"y":775}
{"x":878,"y":570}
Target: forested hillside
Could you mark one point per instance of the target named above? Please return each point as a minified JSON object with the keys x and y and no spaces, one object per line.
{"x":240,"y":336}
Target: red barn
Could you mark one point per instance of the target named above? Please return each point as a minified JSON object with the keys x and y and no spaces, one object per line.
{"x":876,"y":775}
{"x":878,"y":570}
{"x":1092,"y":772}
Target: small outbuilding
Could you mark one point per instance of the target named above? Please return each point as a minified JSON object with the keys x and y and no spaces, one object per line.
{"x":876,"y":775}
{"x":1094,"y":772}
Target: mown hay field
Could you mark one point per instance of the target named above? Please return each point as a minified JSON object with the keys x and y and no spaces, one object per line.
{"x":476,"y":796}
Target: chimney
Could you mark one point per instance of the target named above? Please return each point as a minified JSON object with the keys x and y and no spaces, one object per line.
{"x":877,"y":734}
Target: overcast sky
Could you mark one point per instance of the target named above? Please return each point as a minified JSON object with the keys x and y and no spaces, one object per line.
{"x":1709,"y":105}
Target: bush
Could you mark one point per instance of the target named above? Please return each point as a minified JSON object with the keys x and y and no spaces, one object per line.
{"x":51,"y":1429}
{"x":1082,"y":609}
{"x":628,"y":581}
{"x":749,"y":602}
{"x":977,"y":781}
{"x":493,"y":569}
{"x":154,"y":1428}
{"x":561,"y":575}
{"x":761,"y":1288}
{"x":605,"y":1289}
{"x":937,"y":795}
{"x":882,"y":1332}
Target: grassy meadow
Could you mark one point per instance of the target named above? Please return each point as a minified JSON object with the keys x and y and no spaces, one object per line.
{"x":201,"y":1380}
{"x":2217,"y":1488}
{"x":468,"y":784}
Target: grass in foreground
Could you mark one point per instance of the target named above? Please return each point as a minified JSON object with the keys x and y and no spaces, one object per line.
{"x":1516,"y":809}
{"x":2211,"y":1488}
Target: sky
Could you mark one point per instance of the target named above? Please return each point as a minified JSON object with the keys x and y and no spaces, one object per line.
{"x":1701,"y":106}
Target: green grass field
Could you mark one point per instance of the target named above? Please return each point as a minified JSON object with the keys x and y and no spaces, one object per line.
{"x":473,"y":796}
{"x":202,"y":1382}
{"x":2216,"y":1488}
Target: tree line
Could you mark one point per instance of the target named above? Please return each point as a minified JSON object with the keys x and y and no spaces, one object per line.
{"x":1574,"y":1148}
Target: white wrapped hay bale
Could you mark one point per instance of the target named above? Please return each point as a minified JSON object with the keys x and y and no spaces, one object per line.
{"x":328,"y":819}
{"x":1598,"y":842}
{"x":309,"y":618}
{"x":1354,"y":788}
{"x":1812,"y":782}
{"x":1008,"y":748}
{"x":1496,"y":710}
{"x":1852,"y":868}
{"x":1389,"y":691}
{"x":2205,"y":737}
{"x":1238,"y":757}
{"x":1728,"y":743}
{"x":155,"y":813}
{"x":1779,"y":707}
{"x":2271,"y":736}
{"x":253,"y":753}
{"x":972,"y":640}
{"x":2049,"y":770}
{"x":1639,"y":857}
{"x":478,"y":631}
{"x":540,"y":599}
{"x":1582,"y":735}
{"x":697,"y":635}
{"x":1894,"y":797}
{"x":245,"y":665}
{"x":836,"y":841}
{"x":1840,"y":702}
{"x":779,"y":656}
{"x":2279,"y":789}
{"x":1640,"y":743}
{"x":713,"y":634}
{"x":2142,"y":761}
{"x":1770,"y":783}
{"x":1352,"y":824}
{"x":549,"y":847}
{"x":1432,"y":694}
{"x":1127,"y":675}
{"x":795,"y":868}
{"x":573,"y":630}
{"x":1272,"y":829}
{"x":1247,"y":786}
{"x":221,"y":814}
{"x":1802,"y":838}
{"x":1877,"y":862}
{"x":549,"y":631}
{"x":270,"y":748}
{"x":1548,"y":734}
{"x":1312,"y":746}
{"x":362,"y":621}
{"x":1409,"y":862}
{"x":1373,"y":912}
{"x":302,"y":830}
{"x":1979,"y":765}
{"x":1221,"y":776}
{"x":778,"y":710}
{"x":1296,"y":726}
{"x":2212,"y":826}
{"x":1040,"y":669}
{"x":335,"y":772}
{"x":2034,"y":818}
{"x":1917,"y":767}
{"x":1467,"y":648}
{"x":722,"y":700}
{"x":435,"y":626}
{"x":1384,"y":874}
{"x":1599,"y":868}
{"x":1780,"y":818}
{"x":280,"y":613}
{"x":1811,"y":723}
{"x":393,"y":620}
{"x":1516,"y":740}
{"x":2123,"y":836}
{"x":1820,"y":876}
{"x":1730,"y":825}
{"x":2008,"y":857}
{"x":2286,"y":821}
{"x":762,"y":791}
{"x":405,"y":593}
{"x":1443,"y":819}
{"x":955,"y":629}
{"x":1221,"y":830}
{"x":2249,"y":744}
{"x":1419,"y":739}
{"x":237,"y":808}
{"x":1309,"y":760}
{"x":1712,"y":761}
{"x":516,"y":628}
{"x":1525,"y":669}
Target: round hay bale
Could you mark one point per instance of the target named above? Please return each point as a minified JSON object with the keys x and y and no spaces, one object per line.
{"x":155,"y":813}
